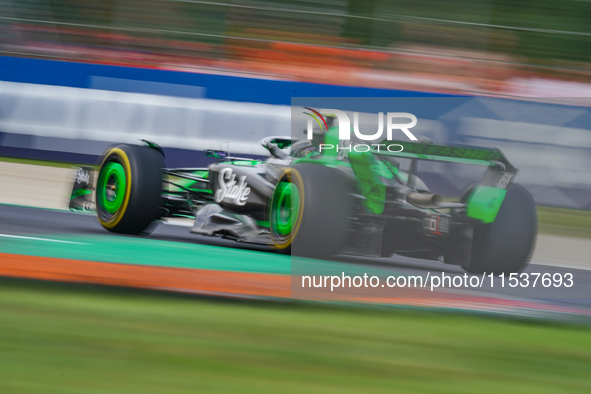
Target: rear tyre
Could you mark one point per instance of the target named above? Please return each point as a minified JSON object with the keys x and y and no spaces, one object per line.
{"x":129,"y":188}
{"x":505,"y":245}
{"x":310,"y":210}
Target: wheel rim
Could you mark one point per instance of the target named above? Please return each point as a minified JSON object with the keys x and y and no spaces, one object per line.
{"x":285,"y":208}
{"x":111,"y":187}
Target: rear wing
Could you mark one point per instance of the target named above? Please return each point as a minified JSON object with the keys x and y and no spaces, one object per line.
{"x":500,"y":171}
{"x":486,"y":197}
{"x":491,"y":157}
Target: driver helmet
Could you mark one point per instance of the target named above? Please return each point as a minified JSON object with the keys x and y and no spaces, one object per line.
{"x":302,"y":148}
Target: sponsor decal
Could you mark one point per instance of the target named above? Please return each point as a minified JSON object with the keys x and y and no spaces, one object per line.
{"x":231,"y":190}
{"x":438,"y":225}
{"x":82,"y":176}
{"x":503,"y":179}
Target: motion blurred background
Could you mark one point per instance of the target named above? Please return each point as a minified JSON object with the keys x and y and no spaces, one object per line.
{"x":501,"y":47}
{"x":79,"y":75}
{"x":194,"y":75}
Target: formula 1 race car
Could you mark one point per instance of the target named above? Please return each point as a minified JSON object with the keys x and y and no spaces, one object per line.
{"x":319,"y":204}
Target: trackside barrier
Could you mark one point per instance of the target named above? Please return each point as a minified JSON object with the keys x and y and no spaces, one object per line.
{"x":550,"y":144}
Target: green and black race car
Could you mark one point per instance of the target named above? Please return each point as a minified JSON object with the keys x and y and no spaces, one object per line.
{"x":320,"y":204}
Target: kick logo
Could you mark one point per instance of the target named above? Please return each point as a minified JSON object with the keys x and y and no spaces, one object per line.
{"x":230,"y":190}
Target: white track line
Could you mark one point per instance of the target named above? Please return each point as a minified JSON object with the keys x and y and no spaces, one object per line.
{"x":41,"y":239}
{"x":575,"y":266}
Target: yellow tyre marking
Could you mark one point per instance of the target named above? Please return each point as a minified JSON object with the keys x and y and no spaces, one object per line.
{"x":300,"y":184}
{"x":127,"y":167}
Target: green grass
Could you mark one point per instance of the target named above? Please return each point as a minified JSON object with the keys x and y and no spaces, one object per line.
{"x":77,"y":339}
{"x":565,"y":222}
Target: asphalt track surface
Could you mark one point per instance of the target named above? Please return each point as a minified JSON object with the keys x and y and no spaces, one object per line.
{"x":41,"y":225}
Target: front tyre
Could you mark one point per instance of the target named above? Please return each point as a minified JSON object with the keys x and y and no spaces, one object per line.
{"x":129,"y":188}
{"x":310,"y":211}
{"x":505,"y":245}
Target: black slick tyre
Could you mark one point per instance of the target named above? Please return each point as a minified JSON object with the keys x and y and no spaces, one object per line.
{"x":129,"y":188}
{"x":505,"y":245}
{"x":310,"y":211}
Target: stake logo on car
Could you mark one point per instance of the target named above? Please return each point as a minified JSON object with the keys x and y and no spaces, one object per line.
{"x":82,"y":176}
{"x":230,"y":190}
